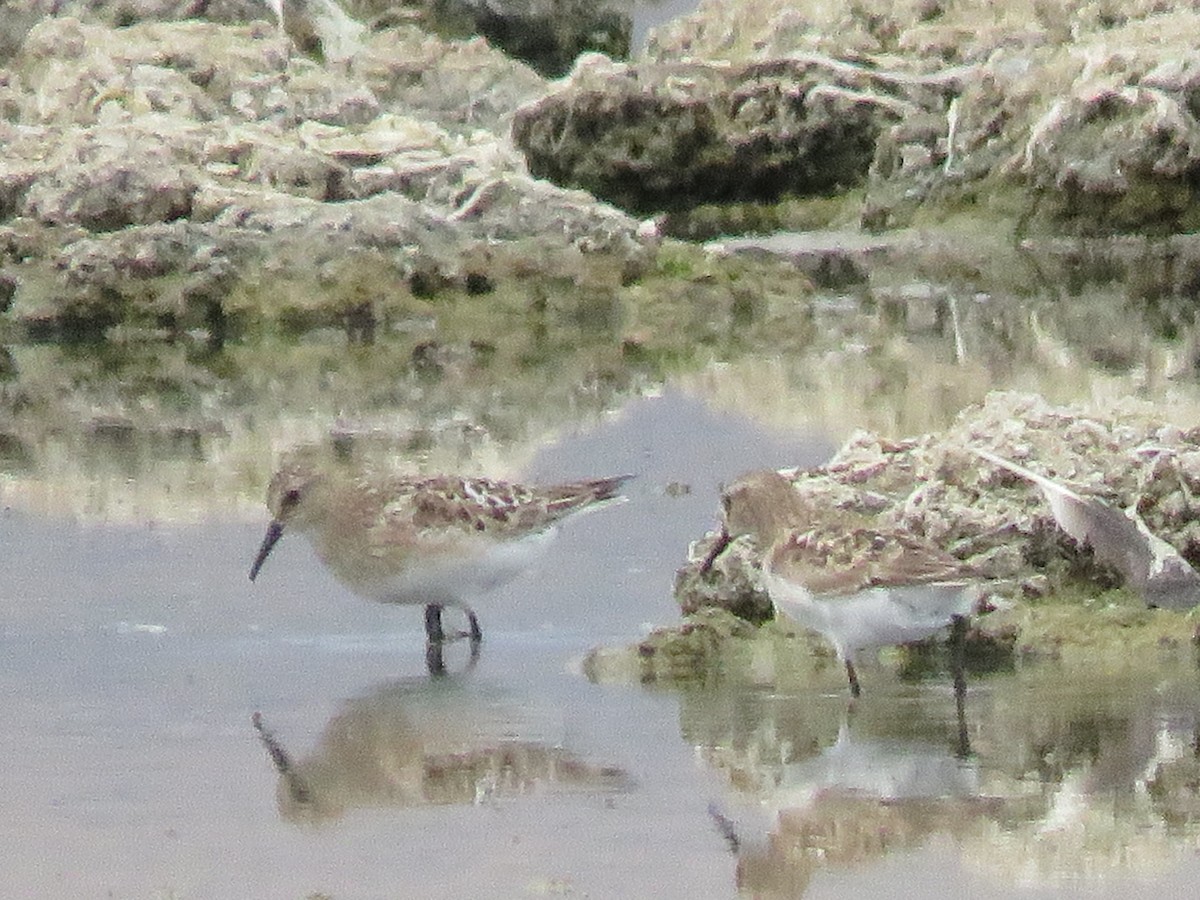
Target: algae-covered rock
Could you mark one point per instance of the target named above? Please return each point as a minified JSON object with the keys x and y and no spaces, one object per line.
{"x":936,"y":487}
{"x":201,"y":160}
{"x":1048,"y":597}
{"x":696,"y":648}
{"x":1106,"y":631}
{"x":736,"y":587}
{"x":112,"y":177}
{"x":664,"y":137}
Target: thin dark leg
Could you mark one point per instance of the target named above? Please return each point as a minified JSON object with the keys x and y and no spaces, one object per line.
{"x":434,"y":661}
{"x":855,"y":690}
{"x":958,"y":652}
{"x":433,"y":624}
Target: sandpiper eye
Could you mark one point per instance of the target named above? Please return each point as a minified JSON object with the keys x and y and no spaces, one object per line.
{"x":292,"y":497}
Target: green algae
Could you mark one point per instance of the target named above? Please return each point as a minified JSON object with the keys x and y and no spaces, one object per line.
{"x":703,"y":644}
{"x":789,"y":213}
{"x":1110,"y":631}
{"x":500,"y":357}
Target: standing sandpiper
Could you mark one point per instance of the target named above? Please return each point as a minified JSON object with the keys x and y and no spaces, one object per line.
{"x":430,"y":541}
{"x":860,"y":583}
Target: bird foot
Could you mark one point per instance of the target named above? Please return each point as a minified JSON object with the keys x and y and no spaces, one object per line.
{"x":435,"y":660}
{"x":435,"y":634}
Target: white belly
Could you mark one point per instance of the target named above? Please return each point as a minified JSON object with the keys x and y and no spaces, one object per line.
{"x":875,"y":617}
{"x":453,"y":580}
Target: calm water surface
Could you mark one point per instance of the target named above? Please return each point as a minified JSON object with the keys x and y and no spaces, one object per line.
{"x":134,"y":657}
{"x":134,"y":652}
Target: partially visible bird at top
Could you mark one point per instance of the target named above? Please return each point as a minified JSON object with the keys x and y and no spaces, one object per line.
{"x":1150,"y":565}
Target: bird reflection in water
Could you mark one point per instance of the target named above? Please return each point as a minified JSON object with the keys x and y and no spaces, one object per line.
{"x":858,"y":799}
{"x":1071,"y":776}
{"x":403,"y":746}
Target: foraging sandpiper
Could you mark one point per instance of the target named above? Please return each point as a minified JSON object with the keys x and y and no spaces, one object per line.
{"x":859,"y":582}
{"x":431,"y":541}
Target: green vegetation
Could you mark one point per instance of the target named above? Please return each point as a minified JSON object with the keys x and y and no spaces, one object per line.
{"x":1110,"y":631}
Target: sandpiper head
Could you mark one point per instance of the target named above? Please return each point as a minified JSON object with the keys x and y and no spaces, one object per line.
{"x":762,"y":503}
{"x":286,"y":496}
{"x":291,"y":486}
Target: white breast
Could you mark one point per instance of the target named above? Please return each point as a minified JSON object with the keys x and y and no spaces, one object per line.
{"x":875,"y":617}
{"x":461,"y":578}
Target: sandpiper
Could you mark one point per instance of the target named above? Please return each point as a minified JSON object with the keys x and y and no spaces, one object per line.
{"x":431,"y":541}
{"x":861,"y":583}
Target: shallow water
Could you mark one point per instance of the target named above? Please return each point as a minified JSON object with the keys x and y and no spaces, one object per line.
{"x":134,"y":658}
{"x":135,"y":653}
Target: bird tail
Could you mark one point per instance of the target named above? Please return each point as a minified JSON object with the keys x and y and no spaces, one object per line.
{"x":580,"y":494}
{"x":1048,"y":485}
{"x":607,"y":488}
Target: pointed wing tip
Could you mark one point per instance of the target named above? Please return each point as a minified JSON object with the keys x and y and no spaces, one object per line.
{"x":988,"y":455}
{"x":1003,"y":462}
{"x":607,"y":488}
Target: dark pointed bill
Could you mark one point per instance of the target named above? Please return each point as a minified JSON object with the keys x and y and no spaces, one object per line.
{"x":274,"y":533}
{"x":716,"y":550}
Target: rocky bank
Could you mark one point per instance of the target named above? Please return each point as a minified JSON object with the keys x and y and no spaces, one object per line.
{"x":1074,"y":116}
{"x":178,"y":166}
{"x":199,"y":175}
{"x":1049,"y":596}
